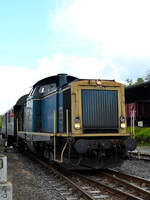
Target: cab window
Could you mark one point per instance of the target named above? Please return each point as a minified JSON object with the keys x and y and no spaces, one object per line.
{"x":47,"y":88}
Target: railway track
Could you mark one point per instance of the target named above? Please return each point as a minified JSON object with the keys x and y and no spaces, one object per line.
{"x":140,"y":156}
{"x":141,"y":182}
{"x":137,"y":186}
{"x":108,"y":185}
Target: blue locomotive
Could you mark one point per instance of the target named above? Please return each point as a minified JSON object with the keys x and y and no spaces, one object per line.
{"x":77,"y":122}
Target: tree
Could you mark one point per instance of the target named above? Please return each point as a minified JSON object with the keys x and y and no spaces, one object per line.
{"x":129,"y":82}
{"x":139,"y":81}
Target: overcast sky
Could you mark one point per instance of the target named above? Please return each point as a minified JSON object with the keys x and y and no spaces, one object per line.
{"x":107,"y":39}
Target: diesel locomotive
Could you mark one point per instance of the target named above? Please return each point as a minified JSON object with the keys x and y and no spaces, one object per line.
{"x":76,"y":122}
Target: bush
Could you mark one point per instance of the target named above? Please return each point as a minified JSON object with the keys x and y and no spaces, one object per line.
{"x":142,"y":135}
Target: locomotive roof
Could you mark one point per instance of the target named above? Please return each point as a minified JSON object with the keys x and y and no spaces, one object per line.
{"x":54,"y":79}
{"x":21,"y":100}
{"x":140,"y":92}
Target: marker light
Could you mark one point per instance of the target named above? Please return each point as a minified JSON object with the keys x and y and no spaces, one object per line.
{"x":12,"y":114}
{"x":77,"y":119}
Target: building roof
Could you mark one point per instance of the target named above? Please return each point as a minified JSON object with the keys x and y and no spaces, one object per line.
{"x":140,"y":92}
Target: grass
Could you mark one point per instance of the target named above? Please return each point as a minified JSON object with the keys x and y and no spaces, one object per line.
{"x":142,"y":135}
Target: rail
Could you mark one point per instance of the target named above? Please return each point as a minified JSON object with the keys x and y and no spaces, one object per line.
{"x":140,"y":156}
{"x":102,"y":185}
{"x":53,"y":169}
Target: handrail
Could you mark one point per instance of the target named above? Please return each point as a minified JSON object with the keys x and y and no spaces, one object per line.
{"x":67,"y":132}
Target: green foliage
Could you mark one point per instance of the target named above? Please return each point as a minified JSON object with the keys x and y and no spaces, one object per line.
{"x":139,"y":81}
{"x":129,"y":82}
{"x":142,"y":135}
{"x":0,"y":121}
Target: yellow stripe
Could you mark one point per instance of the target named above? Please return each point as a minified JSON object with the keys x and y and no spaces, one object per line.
{"x":35,"y":133}
{"x":73,"y":135}
{"x":36,"y":99}
{"x":46,"y":96}
{"x":49,"y":95}
{"x":92,"y":135}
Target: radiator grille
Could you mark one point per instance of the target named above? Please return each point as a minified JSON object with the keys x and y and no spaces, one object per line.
{"x":100,"y":111}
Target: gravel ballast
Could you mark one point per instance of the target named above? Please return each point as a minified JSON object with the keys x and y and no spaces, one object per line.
{"x":31,"y":181}
{"x":136,"y":167}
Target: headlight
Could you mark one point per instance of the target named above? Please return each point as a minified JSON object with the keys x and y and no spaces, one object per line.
{"x":99,"y":82}
{"x":123,"y":125}
{"x":77,"y":125}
